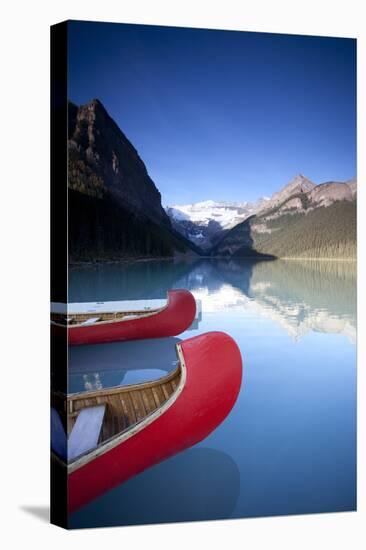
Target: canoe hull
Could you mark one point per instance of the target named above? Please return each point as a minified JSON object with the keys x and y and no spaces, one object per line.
{"x":213,"y":379}
{"x":175,"y":318}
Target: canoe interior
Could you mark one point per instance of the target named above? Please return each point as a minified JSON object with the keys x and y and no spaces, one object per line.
{"x":126,"y":406}
{"x":103,"y":317}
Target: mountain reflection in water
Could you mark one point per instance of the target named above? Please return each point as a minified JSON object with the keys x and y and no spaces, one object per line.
{"x":299,"y":295}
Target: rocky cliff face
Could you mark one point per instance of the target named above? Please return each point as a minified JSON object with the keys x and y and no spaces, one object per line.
{"x":96,"y":140}
{"x":352,"y":184}
{"x":327,"y":193}
{"x":114,"y":206}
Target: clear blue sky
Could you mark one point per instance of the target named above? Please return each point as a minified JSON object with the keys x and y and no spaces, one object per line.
{"x":222,"y":115}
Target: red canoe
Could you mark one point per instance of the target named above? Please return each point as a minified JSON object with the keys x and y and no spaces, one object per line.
{"x":115,"y":321}
{"x":143,"y":424}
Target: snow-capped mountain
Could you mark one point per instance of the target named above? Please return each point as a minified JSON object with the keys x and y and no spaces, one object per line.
{"x":205,"y":222}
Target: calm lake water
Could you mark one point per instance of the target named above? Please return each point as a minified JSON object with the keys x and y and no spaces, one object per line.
{"x":289,"y":444}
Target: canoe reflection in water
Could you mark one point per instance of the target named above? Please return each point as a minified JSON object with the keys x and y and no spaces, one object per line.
{"x":117,"y":433}
{"x":197,"y":485}
{"x":121,"y":363}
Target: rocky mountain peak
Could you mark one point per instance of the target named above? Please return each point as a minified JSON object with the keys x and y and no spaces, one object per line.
{"x":96,"y":104}
{"x":299,"y":184}
{"x":114,"y":206}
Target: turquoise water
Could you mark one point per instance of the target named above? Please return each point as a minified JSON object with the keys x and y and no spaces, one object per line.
{"x":289,"y":444}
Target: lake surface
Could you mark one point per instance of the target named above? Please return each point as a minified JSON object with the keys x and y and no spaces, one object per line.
{"x":289,"y":444}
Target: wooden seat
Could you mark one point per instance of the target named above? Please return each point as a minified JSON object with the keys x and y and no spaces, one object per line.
{"x":127,"y":317}
{"x":84,"y":435}
{"x":86,"y":431}
{"x":58,"y":435}
{"x":90,"y":321}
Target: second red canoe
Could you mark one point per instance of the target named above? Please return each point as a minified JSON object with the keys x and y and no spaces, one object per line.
{"x":102,"y":322}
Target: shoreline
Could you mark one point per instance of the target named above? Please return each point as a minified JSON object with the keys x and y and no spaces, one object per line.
{"x":316,"y":259}
{"x":96,"y":263}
